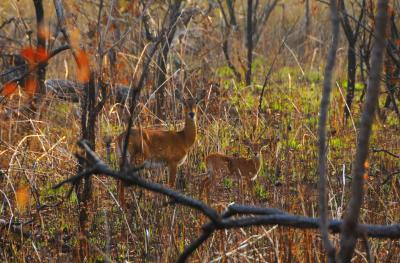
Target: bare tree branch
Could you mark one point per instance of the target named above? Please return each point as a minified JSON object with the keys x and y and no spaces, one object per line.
{"x":323,"y":118}
{"x":259,"y":23}
{"x":387,"y":152}
{"x":269,"y":73}
{"x":41,"y":43}
{"x":249,"y":41}
{"x":225,"y":49}
{"x":349,"y":237}
{"x":231,"y":11}
{"x":161,"y":74}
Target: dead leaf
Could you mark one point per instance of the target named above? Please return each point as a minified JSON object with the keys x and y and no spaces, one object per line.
{"x":22,"y":197}
{"x":83,"y":66}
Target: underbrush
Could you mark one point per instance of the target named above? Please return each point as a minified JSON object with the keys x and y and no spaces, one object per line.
{"x":39,"y":153}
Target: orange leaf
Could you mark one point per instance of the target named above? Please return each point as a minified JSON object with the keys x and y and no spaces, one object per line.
{"x":29,"y":54}
{"x":83,"y":66}
{"x":30,"y":85}
{"x":22,"y":197}
{"x":365,"y":176}
{"x":34,"y":55}
{"x":9,"y":89}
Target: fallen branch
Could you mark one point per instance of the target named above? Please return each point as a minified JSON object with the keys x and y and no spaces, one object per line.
{"x":72,"y":91}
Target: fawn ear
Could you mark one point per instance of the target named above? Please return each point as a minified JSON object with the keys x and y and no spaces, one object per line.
{"x":178,"y":96}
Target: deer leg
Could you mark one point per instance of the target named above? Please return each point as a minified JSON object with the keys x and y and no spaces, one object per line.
{"x":172,"y":174}
{"x":121,"y":193}
{"x":249,"y":184}
{"x":241,"y":189}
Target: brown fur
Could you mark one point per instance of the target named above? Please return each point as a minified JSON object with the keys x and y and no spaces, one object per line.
{"x":220,"y":165}
{"x":156,"y":146}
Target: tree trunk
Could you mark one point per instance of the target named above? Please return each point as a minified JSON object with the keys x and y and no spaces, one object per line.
{"x":41,"y":44}
{"x":349,"y":237}
{"x":163,"y":57}
{"x":351,"y":76}
{"x":249,"y":41}
{"x":307,"y":18}
{"x":88,"y":123}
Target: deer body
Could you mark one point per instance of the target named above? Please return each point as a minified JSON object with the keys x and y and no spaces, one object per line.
{"x":157,"y":148}
{"x":221,"y":165}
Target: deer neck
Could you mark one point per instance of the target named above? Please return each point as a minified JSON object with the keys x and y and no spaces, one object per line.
{"x":189,"y":131}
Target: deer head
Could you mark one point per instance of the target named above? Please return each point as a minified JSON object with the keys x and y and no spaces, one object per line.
{"x":190,"y":104}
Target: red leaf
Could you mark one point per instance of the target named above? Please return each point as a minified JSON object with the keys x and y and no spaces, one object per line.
{"x":83,"y":66}
{"x":41,"y":55}
{"x":29,"y":54}
{"x":9,"y":89}
{"x":34,"y":55}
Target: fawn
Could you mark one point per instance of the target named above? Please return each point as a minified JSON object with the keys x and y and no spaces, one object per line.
{"x":219,"y":165}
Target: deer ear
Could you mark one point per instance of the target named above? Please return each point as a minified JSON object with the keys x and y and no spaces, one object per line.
{"x":247,"y":142}
{"x":200,"y":95}
{"x":178,"y":96}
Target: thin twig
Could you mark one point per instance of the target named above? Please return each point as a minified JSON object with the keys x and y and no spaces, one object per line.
{"x":375,"y":150}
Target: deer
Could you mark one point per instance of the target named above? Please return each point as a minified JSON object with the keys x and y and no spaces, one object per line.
{"x":158,"y":148}
{"x":219,"y":165}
